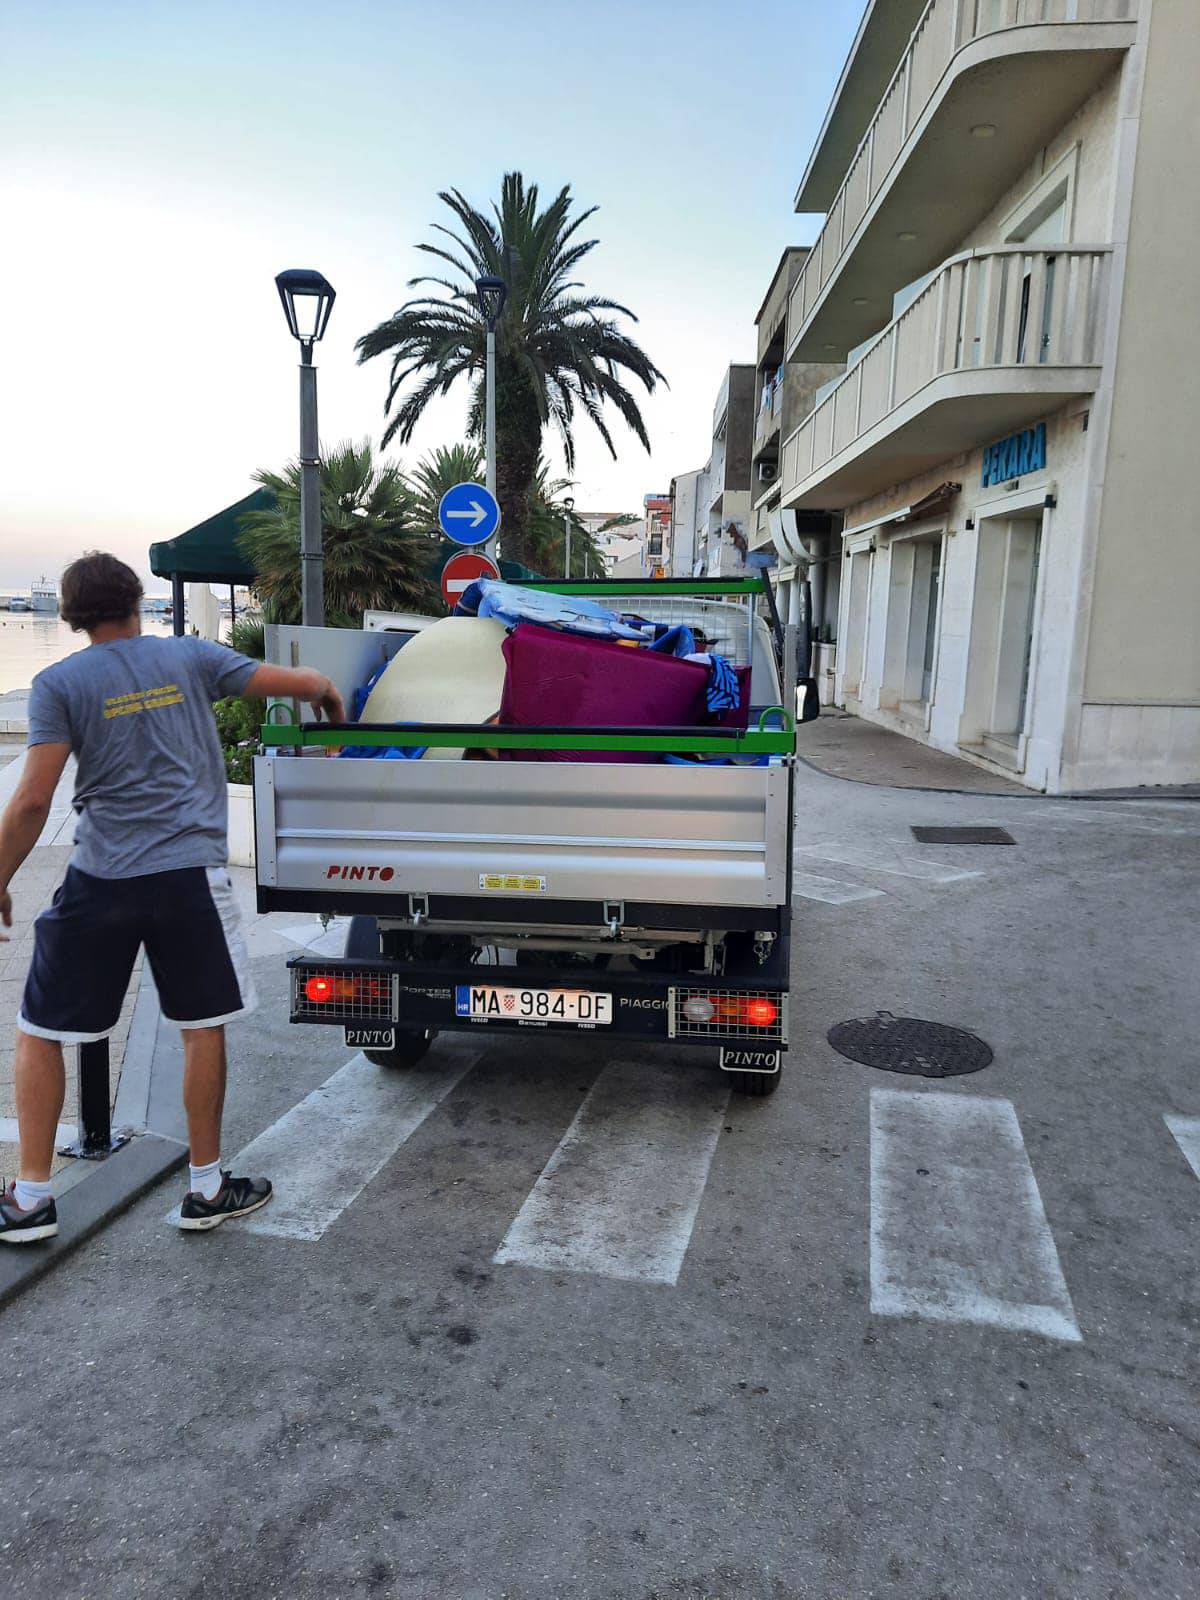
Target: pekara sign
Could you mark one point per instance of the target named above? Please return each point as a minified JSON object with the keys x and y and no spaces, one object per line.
{"x":1015,"y":456}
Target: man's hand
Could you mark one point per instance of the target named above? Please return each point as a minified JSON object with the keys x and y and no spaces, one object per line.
{"x":298,"y":683}
{"x":328,"y":701}
{"x":25,"y":814}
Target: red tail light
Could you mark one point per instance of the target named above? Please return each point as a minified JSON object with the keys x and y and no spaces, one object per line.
{"x":758,"y":1012}
{"x":355,"y":986}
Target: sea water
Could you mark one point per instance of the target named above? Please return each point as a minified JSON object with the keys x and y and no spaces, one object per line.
{"x":29,"y":642}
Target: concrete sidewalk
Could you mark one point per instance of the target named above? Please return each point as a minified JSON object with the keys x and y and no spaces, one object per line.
{"x":846,"y":746}
{"x":32,"y":890}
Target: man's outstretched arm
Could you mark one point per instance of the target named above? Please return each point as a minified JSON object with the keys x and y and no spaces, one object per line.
{"x":297,"y":683}
{"x":25,"y":814}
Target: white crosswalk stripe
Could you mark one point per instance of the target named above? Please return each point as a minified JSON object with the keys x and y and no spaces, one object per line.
{"x":619,"y":1196}
{"x":810,"y":886}
{"x":325,"y":1150}
{"x":958,"y":1232}
{"x":1186,"y":1132}
{"x":958,"y":1229}
{"x":887,"y":859}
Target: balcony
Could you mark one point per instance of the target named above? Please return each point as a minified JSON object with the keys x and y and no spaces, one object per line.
{"x":997,"y":339}
{"x":766,"y":424}
{"x":919,"y":180}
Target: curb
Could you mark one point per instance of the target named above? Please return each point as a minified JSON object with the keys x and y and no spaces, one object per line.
{"x":149,"y":1107}
{"x":107,"y":1191}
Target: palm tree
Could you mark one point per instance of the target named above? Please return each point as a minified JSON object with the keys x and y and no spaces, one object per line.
{"x":374,"y":558}
{"x":559,"y":351}
{"x":436,"y":472}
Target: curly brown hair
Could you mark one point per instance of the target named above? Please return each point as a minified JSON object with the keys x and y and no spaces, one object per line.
{"x":98,"y":588}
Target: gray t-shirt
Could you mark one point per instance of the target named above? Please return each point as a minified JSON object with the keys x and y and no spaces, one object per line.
{"x":150,"y":785}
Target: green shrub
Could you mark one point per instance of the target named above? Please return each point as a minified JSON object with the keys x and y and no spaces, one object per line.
{"x":238,"y":722}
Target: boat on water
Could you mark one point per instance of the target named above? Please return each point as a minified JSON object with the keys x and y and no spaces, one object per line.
{"x":18,"y":602}
{"x":43,"y":595}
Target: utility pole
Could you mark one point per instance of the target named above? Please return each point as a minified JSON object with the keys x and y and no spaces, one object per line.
{"x":312,"y":554}
{"x":491,"y":293}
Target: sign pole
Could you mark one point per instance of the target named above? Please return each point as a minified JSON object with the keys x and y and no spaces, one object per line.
{"x":490,"y":383}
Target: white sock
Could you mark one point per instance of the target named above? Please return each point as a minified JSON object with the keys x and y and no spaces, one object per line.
{"x":207,"y":1180}
{"x":29,"y":1195}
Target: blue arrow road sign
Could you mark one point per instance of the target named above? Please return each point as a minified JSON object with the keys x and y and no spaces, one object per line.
{"x":469,"y":513}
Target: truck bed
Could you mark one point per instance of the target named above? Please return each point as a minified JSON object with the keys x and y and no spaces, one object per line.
{"x":520,"y":834}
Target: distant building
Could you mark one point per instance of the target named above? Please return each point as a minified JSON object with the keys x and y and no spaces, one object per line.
{"x":726,"y":516}
{"x":687,"y":498}
{"x":657,"y":535}
{"x":613,"y":543}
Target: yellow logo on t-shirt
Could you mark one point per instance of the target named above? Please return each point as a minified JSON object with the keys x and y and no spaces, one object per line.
{"x":124,"y":705}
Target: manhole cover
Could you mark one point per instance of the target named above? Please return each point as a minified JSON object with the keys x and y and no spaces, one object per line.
{"x":963,"y":836}
{"x":908,"y":1044}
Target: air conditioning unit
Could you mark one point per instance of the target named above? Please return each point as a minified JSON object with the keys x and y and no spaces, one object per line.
{"x":767,"y":471}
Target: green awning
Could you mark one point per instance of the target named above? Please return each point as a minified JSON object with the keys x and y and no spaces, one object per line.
{"x":209,"y":552}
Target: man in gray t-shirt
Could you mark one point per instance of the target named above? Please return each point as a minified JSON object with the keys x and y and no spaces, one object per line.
{"x":149,"y":870}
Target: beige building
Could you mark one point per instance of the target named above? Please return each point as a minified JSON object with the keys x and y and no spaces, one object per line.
{"x":1007,"y":266}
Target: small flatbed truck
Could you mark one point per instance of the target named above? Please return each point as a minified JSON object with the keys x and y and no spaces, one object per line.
{"x":647,"y":901}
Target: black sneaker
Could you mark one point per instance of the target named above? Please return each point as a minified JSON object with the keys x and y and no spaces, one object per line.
{"x":236,"y":1197}
{"x":26,"y":1227}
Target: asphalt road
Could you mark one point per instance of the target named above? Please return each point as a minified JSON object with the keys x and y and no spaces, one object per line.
{"x":926,"y":1339}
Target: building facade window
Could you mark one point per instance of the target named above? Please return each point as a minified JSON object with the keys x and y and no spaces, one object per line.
{"x":1000,"y":661}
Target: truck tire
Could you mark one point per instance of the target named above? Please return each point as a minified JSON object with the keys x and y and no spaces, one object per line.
{"x":756,"y":1083}
{"x":409,"y":1048}
{"x":362,"y":944}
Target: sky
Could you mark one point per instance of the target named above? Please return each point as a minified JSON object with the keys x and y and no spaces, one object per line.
{"x":163,"y":160}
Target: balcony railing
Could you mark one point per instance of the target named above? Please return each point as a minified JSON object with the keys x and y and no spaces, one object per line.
{"x":1006,"y":309}
{"x":945,"y":28}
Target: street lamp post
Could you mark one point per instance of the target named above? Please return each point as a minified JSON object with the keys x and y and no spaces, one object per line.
{"x":307,"y":300}
{"x":491,"y":293}
{"x":570,"y":506}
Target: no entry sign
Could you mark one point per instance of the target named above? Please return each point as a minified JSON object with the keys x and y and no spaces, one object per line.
{"x":463,"y":569}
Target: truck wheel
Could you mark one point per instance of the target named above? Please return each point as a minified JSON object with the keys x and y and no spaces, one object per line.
{"x":362,"y":944}
{"x":755,"y":1083}
{"x":406,"y":1052}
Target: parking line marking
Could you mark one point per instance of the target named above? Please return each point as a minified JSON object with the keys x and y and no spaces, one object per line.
{"x":958,"y":1229}
{"x":1186,"y":1132}
{"x":879,"y":860}
{"x":809,"y":886}
{"x":324,"y":1151}
{"x":620,"y":1195}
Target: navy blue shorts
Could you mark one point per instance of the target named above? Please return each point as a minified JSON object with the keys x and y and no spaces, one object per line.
{"x":88,"y":938}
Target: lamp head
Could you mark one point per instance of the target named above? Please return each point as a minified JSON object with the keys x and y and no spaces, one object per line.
{"x":491,"y":293}
{"x":307,"y":298}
